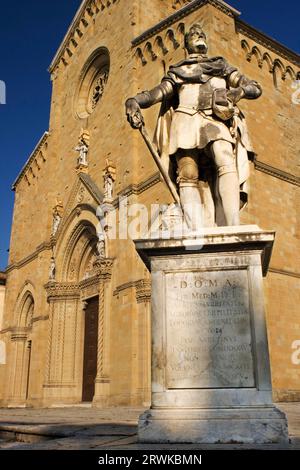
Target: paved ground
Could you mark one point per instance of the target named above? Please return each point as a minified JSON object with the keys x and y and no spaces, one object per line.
{"x":82,"y":428}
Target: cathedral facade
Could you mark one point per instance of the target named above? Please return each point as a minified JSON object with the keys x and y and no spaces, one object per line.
{"x":77,"y":316}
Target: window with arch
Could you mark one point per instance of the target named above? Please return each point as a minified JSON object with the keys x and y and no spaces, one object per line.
{"x":93,"y":79}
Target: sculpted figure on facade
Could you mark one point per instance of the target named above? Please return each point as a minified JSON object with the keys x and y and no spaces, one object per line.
{"x":201,"y":136}
{"x":83,"y":149}
{"x":57,"y":217}
{"x":109,"y":178}
{"x":52,"y":269}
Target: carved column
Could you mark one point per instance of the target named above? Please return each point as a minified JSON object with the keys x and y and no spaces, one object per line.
{"x":62,"y":360}
{"x":102,"y":382}
{"x":16,"y":387}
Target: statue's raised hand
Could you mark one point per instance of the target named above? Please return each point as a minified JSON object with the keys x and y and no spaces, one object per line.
{"x":134,"y":115}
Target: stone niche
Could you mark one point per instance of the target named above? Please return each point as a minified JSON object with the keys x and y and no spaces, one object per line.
{"x":210,"y":362}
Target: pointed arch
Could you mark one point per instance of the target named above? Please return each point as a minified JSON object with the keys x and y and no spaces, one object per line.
{"x":24,"y":307}
{"x":258,"y":55}
{"x":246,"y":49}
{"x":159,"y":43}
{"x":268,"y":60}
{"x":171,"y":39}
{"x":77,"y":243}
{"x":278,"y":73}
{"x":290,"y":73}
{"x":139,"y":55}
{"x":181,"y":29}
{"x":149,"y":52}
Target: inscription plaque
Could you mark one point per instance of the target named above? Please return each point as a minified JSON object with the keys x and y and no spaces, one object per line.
{"x":208,"y":330}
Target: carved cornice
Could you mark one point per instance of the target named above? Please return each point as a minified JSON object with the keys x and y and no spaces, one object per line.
{"x":143,"y":291}
{"x":86,"y":14}
{"x":182,"y":13}
{"x":267,"y":42}
{"x":276,"y":172}
{"x":31,"y":159}
{"x":62,"y":291}
{"x":19,"y":334}
{"x":141,"y":286}
{"x":139,"y":188}
{"x":284,"y":272}
{"x":75,"y":291}
{"x":127,"y":285}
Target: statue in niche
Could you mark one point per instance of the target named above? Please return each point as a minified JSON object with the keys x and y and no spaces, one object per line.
{"x":100,"y":246}
{"x":109,"y":177}
{"x":52,"y":269}
{"x":57,"y":216}
{"x":83,"y":149}
{"x":201,"y":137}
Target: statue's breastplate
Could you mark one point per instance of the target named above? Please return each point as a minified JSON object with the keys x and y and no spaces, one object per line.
{"x":195,"y":97}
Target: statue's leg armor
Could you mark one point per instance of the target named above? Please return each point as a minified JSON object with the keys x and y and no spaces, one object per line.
{"x":227,"y":180}
{"x":188,"y":175}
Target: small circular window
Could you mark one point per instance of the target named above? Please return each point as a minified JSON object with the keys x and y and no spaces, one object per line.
{"x":93,"y":79}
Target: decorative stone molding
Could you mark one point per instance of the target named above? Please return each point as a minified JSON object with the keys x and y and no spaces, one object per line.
{"x":19,"y":334}
{"x":89,"y":287}
{"x":86,"y":15}
{"x":139,"y":188}
{"x":85,"y":288}
{"x":40,"y":318}
{"x":34,"y":162}
{"x":142,"y":287}
{"x":84,"y":191}
{"x":105,"y":268}
{"x":180,"y":14}
{"x":93,"y":79}
{"x":273,"y":64}
{"x":276,"y":172}
{"x":143,"y":291}
{"x":62,"y":291}
{"x":161,"y":45}
{"x":43,"y":247}
{"x":284,"y":272}
{"x":267,"y":42}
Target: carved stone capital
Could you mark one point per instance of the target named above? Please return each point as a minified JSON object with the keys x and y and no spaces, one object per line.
{"x":104,"y":268}
{"x":62,"y":291}
{"x":19,"y":334}
{"x":143,"y":291}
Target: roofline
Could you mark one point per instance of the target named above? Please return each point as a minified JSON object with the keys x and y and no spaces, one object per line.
{"x":181,"y":13}
{"x":267,"y":41}
{"x":68,"y":34}
{"x":241,"y":26}
{"x":30,"y":159}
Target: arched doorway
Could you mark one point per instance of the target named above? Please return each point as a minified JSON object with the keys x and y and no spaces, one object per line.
{"x":90,"y":354}
{"x":74,"y":308}
{"x":22,"y":345}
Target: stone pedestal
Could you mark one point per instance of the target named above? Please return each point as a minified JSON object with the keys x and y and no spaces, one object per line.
{"x":210,"y":362}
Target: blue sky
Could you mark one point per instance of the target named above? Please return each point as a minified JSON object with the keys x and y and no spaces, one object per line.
{"x":30,"y":33}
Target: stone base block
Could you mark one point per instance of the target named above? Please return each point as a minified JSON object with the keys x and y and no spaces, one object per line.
{"x":245,"y":425}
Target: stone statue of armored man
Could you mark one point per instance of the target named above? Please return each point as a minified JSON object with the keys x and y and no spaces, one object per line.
{"x":201,"y":134}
